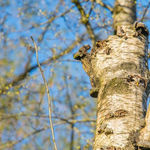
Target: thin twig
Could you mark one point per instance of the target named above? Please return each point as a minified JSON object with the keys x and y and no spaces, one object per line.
{"x":92,"y":7}
{"x":50,"y":20}
{"x":145,"y":12}
{"x":48,"y":95}
{"x":67,"y":120}
{"x":85,"y":21}
{"x":9,"y":145}
{"x":23,"y":75}
{"x":72,"y":113}
{"x":104,"y":5}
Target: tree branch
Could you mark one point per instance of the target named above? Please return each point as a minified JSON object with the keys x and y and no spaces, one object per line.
{"x":48,"y":95}
{"x":52,"y":18}
{"x":85,"y":21}
{"x":104,"y":5}
{"x":68,"y":120}
{"x":23,"y":75}
{"x":9,"y":145}
{"x":145,"y":12}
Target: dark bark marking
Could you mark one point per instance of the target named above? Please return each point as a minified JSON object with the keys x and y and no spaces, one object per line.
{"x":121,"y":33}
{"x":108,"y":50}
{"x":109,"y":116}
{"x":120,"y":113}
{"x":136,"y":80}
{"x":94,"y":92}
{"x":144,"y":145}
{"x":108,"y":131}
{"x":101,"y":128}
{"x":104,"y":129}
{"x":117,"y":113}
{"x":142,"y":122}
{"x":140,"y":29}
{"x":110,"y":148}
{"x":101,"y":44}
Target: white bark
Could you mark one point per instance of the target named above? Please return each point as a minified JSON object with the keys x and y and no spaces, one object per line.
{"x":118,"y":72}
{"x":122,"y":95}
{"x":124,"y":12}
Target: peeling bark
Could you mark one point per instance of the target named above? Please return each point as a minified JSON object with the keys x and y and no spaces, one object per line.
{"x":118,"y":68}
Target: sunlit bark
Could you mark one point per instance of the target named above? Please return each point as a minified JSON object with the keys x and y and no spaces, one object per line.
{"x":124,"y":13}
{"x":122,"y":97}
{"x":118,"y":72}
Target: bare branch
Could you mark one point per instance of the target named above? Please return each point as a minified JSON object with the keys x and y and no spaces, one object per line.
{"x":104,"y":5}
{"x":85,"y":21}
{"x":68,"y":120}
{"x":23,"y":75}
{"x":145,"y":12}
{"x":52,"y":18}
{"x":9,"y":145}
{"x":48,"y":95}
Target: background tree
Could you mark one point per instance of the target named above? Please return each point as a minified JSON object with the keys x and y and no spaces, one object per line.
{"x":59,"y":29}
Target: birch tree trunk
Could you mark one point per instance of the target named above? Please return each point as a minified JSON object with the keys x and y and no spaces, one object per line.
{"x":118,"y":72}
{"x":122,"y":96}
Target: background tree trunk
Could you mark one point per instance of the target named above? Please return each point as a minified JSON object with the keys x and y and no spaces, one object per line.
{"x":118,"y":71}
